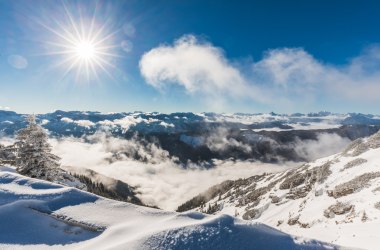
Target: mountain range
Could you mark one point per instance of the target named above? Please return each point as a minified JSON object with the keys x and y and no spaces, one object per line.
{"x":205,"y":136}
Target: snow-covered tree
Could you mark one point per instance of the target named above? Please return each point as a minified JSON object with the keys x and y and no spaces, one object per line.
{"x":34,"y":157}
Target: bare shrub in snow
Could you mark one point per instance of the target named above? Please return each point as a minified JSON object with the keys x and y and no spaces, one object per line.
{"x":250,"y":214}
{"x":353,"y":145}
{"x":308,"y":177}
{"x":279,"y":222}
{"x":318,"y":192}
{"x":275,"y":199}
{"x":293,"y":220}
{"x":354,"y":163}
{"x":293,"y":180}
{"x":374,"y":140}
{"x":364,"y":216}
{"x":255,"y":194}
{"x":203,"y":198}
{"x":337,"y":209}
{"x":353,"y":185}
{"x":297,"y":193}
{"x":323,"y":172}
{"x":360,"y":149}
{"x":377,"y":205}
{"x":360,"y":146}
{"x":254,"y":213}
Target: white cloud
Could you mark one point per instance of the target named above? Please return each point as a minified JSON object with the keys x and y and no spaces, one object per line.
{"x":325,"y":145}
{"x":298,"y":72}
{"x":166,"y":125}
{"x":286,"y":67}
{"x":219,"y":141}
{"x":284,"y":76}
{"x":198,"y":67}
{"x":44,"y":122}
{"x":83,"y":123}
{"x":132,"y":120}
{"x":5,"y":108}
{"x":67,"y":120}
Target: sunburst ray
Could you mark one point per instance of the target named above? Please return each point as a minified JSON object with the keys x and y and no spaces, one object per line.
{"x":85,"y":47}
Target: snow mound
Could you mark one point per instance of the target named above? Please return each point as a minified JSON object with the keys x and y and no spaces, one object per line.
{"x":36,"y":214}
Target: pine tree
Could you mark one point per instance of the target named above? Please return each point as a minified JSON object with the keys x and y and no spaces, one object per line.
{"x":34,"y":157}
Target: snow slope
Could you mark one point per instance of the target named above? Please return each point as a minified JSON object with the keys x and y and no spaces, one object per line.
{"x":35,"y":214}
{"x":334,"y":199}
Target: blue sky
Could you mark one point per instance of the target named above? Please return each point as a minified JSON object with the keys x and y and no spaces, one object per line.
{"x":223,"y":56}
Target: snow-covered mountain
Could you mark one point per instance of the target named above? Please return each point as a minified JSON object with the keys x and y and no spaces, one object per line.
{"x":203,"y":137}
{"x":37,"y":214}
{"x":78,"y":123}
{"x":334,"y":199}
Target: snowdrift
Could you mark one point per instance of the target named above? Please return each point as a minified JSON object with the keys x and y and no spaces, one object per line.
{"x":36,"y":214}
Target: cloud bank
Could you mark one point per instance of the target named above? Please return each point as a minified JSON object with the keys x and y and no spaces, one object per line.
{"x":159,"y":178}
{"x":5,"y":108}
{"x":283,"y":76}
{"x":325,"y":145}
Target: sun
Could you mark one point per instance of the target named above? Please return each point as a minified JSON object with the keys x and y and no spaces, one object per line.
{"x":85,"y":46}
{"x":85,"y":50}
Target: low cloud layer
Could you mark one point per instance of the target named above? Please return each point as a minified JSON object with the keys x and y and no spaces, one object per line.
{"x":5,"y":108}
{"x":325,"y":145}
{"x":219,"y":141}
{"x":160,"y":180}
{"x":283,"y":76}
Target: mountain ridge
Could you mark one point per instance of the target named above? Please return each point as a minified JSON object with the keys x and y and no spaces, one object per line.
{"x":336,"y":195}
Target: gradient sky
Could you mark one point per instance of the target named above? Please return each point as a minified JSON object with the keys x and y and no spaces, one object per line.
{"x":223,"y":56}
